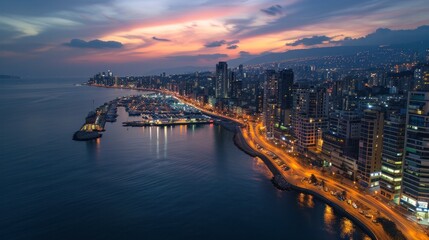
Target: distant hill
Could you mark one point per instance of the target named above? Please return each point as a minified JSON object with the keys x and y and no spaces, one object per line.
{"x":181,"y":70}
{"x":319,"y":52}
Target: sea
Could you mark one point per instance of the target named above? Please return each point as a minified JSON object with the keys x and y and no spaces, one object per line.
{"x":182,"y":182}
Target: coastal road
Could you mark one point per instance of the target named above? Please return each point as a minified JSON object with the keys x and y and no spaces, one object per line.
{"x":253,"y":136}
{"x":410,"y":229}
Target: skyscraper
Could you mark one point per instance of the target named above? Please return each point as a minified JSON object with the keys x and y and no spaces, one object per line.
{"x":341,"y":141}
{"x":270,"y":101}
{"x":222,"y":80}
{"x":415,"y":182}
{"x":370,"y":146}
{"x":285,"y":97}
{"x":391,"y":157}
{"x":310,"y":110}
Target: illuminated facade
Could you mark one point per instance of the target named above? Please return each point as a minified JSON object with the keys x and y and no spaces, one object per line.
{"x":270,"y":101}
{"x":370,"y":147}
{"x":285,"y":96}
{"x":309,"y":117}
{"x":340,"y":143}
{"x":222,"y":80}
{"x":415,"y":185}
{"x":391,"y":157}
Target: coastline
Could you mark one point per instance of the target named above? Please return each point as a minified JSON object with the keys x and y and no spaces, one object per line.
{"x":239,"y":141}
{"x":242,"y":145}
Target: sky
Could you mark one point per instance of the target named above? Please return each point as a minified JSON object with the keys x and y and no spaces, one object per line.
{"x":131,"y":37}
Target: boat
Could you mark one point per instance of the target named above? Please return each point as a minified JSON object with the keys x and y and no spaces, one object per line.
{"x":86,"y":135}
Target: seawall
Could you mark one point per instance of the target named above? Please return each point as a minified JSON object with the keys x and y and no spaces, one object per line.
{"x":242,"y":144}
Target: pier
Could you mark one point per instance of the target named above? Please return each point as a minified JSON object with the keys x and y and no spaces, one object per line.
{"x":162,"y":124}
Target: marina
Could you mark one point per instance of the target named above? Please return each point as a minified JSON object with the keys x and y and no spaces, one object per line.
{"x":95,"y":122}
{"x":153,"y":109}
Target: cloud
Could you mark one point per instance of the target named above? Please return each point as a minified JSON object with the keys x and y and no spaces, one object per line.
{"x":232,"y":47}
{"x":273,"y":10}
{"x":96,"y":44}
{"x":310,"y":13}
{"x":232,"y":42}
{"x":25,"y":26}
{"x":314,"y":40}
{"x":221,"y":43}
{"x":161,"y":39}
{"x":214,"y":56}
{"x":382,"y":36}
{"x":215,"y":44}
{"x":385,"y":36}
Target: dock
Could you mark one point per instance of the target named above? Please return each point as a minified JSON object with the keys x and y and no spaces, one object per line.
{"x":162,"y":124}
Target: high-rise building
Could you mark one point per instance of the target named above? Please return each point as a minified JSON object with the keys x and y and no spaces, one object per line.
{"x":222,"y":80}
{"x":309,"y":116}
{"x":421,"y":78}
{"x":391,"y":157}
{"x":370,"y":147}
{"x":310,"y":100}
{"x":341,"y":141}
{"x":415,"y":182}
{"x":270,"y":101}
{"x":285,"y":97}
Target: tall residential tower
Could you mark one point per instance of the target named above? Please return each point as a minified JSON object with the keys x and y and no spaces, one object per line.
{"x":415,"y":182}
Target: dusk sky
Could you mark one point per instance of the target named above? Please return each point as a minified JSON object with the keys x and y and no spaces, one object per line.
{"x":81,"y":37}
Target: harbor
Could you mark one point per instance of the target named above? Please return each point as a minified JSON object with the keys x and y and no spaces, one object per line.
{"x":95,"y":122}
{"x":153,"y":110}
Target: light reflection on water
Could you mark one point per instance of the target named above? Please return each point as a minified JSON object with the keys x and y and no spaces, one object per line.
{"x":305,"y":200}
{"x":347,"y":228}
{"x":329,"y":218}
{"x":196,"y":185}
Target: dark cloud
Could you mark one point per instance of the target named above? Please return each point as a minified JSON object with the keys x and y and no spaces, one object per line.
{"x":42,"y":6}
{"x":232,"y":47}
{"x":382,"y":36}
{"x":161,"y":39}
{"x":214,"y":56}
{"x":215,"y":44}
{"x":221,"y":43}
{"x":385,"y":36}
{"x":96,"y":44}
{"x":273,"y":10}
{"x":314,"y":40}
{"x":309,"y":12}
{"x":232,"y":42}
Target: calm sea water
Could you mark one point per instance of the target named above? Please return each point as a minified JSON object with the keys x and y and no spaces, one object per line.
{"x":136,"y":183}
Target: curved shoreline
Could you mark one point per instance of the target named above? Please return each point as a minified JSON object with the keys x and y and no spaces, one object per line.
{"x":242,"y":145}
